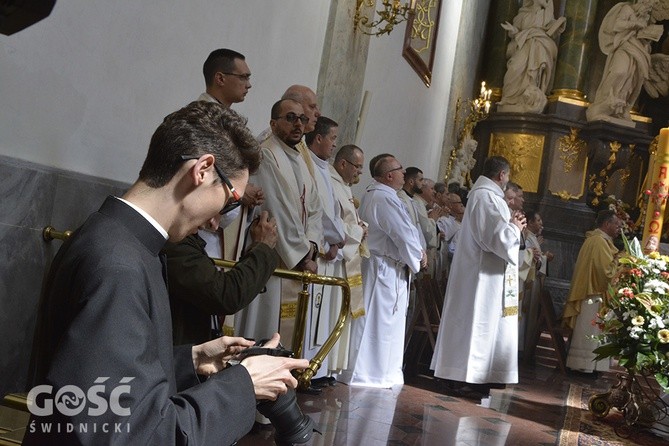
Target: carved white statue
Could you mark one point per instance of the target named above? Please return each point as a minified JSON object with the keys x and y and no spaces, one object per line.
{"x":624,"y":36}
{"x":531,"y":55}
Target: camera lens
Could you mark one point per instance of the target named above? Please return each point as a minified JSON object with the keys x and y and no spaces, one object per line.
{"x":292,"y":426}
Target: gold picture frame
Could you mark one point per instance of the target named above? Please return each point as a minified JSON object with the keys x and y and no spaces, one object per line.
{"x":420,"y":38}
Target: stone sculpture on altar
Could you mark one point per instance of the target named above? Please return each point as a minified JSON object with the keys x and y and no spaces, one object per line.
{"x":624,"y":36}
{"x":531,"y":55}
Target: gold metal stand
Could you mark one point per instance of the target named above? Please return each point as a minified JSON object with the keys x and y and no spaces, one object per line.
{"x":304,"y":377}
{"x":641,"y":407}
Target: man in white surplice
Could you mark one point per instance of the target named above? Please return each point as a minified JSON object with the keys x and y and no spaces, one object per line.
{"x":377,"y":338}
{"x":346,"y":170}
{"x":413,"y":183}
{"x":321,"y":143}
{"x":477,"y":341}
{"x":290,"y":197}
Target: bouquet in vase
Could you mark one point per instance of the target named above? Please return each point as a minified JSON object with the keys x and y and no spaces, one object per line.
{"x":634,"y":319}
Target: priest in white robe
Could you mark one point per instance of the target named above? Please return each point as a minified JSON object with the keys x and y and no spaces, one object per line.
{"x":477,"y":341}
{"x":290,"y":197}
{"x":346,"y":170}
{"x":321,"y":143}
{"x":377,"y":341}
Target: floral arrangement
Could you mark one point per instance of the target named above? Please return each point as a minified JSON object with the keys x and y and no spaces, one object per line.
{"x":634,"y":319}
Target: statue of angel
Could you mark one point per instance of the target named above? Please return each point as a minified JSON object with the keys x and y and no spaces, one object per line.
{"x":531,"y":55}
{"x":624,"y":36}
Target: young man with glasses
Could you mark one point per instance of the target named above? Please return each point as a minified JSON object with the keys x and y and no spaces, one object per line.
{"x":227,"y":77}
{"x":104,"y":321}
{"x":203,"y":298}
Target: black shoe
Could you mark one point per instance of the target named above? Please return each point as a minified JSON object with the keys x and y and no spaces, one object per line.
{"x":311,"y":390}
{"x":325,"y":381}
{"x":466,"y":390}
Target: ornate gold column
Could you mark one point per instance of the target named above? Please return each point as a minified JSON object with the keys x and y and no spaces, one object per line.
{"x":575,"y":47}
{"x":496,"y":41}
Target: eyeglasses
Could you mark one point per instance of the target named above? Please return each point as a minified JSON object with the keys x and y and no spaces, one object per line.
{"x":245,"y":77}
{"x":236,"y":199}
{"x":357,"y":166}
{"x":292,"y":117}
{"x":393,"y":170}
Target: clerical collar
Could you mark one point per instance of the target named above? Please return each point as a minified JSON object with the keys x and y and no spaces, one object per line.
{"x":148,"y":218}
{"x":408,"y":193}
{"x":323,"y":164}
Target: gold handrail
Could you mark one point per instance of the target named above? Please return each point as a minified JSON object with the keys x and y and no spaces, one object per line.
{"x":304,"y":378}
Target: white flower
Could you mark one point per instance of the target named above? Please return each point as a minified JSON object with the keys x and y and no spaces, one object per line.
{"x":635,"y":332}
{"x":656,"y":322}
{"x":655,"y":286}
{"x":638,"y":320}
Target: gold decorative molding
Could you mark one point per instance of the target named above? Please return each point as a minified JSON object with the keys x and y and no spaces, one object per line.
{"x":570,"y":146}
{"x":566,"y":196}
{"x":638,"y":118}
{"x":572,"y":97}
{"x":568,"y":93}
{"x":598,"y":182}
{"x":524,"y":152}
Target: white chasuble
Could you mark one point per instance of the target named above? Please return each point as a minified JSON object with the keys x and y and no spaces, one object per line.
{"x":291,"y":198}
{"x":478,"y":333}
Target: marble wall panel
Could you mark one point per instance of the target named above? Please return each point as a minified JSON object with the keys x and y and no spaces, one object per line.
{"x":34,"y":196}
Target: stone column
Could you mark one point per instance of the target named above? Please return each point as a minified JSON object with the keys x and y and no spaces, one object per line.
{"x":496,"y":42}
{"x":342,"y":70}
{"x":575,"y":48}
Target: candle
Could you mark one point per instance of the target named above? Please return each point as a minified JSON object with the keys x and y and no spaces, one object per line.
{"x":657,"y":199}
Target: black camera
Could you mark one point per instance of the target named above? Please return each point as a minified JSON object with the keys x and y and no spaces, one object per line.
{"x":292,"y":426}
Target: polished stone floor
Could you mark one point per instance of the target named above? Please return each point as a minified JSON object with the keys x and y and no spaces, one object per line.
{"x":418,"y":413}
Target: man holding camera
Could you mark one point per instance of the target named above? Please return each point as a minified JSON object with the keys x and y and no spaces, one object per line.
{"x":104,"y":319}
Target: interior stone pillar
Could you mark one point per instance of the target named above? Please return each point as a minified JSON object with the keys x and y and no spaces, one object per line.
{"x":342,"y":70}
{"x":575,"y":46}
{"x":496,"y":42}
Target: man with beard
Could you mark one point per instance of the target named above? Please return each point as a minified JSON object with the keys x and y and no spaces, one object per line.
{"x":292,"y":199}
{"x":596,"y":264}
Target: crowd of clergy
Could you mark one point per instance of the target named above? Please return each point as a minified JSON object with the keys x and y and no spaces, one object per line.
{"x":298,"y":213}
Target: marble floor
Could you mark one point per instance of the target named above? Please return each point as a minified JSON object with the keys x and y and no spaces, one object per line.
{"x":528,"y":413}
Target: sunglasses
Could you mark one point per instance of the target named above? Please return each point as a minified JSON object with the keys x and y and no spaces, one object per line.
{"x":233,"y":202}
{"x":292,"y":117}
